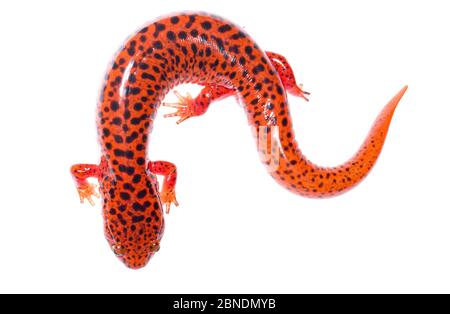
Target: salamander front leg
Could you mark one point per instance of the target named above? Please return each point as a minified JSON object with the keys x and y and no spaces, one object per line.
{"x":287,"y":76}
{"x":169,"y":171}
{"x":187,"y":106}
{"x":85,"y":189}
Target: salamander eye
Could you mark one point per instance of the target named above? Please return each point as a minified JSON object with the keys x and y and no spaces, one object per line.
{"x":118,"y":250}
{"x":154,"y":247}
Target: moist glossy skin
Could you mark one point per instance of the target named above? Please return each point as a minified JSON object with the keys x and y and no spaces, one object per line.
{"x":210,"y":51}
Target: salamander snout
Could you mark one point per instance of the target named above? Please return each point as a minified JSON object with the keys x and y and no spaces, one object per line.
{"x":135,"y":258}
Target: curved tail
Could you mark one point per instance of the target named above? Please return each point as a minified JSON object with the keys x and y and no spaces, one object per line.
{"x":295,"y":172}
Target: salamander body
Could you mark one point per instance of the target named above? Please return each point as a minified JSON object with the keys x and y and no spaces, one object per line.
{"x":212,"y":52}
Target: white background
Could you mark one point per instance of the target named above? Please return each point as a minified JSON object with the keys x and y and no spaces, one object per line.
{"x":236,"y":230}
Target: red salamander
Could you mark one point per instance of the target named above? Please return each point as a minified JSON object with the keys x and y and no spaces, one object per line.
{"x":218,"y":55}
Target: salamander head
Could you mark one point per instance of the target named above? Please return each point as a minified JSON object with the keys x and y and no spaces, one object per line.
{"x":134,"y":222}
{"x":132,"y":256}
{"x":134,"y":253}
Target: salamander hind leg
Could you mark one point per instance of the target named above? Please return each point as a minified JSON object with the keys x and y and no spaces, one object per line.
{"x":169,"y":171}
{"x":187,"y":106}
{"x":287,"y":76}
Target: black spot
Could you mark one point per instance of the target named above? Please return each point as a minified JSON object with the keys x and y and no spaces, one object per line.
{"x":117,"y":121}
{"x":137,"y":219}
{"x":174,"y":20}
{"x":182,"y":35}
{"x":206,"y":25}
{"x":122,"y":168}
{"x":141,"y":161}
{"x":131,"y":51}
{"x":142,"y":194}
{"x":129,"y":154}
{"x":138,"y":106}
{"x":160,"y":27}
{"x":224,"y":28}
{"x":284,"y":122}
{"x":114,"y":106}
{"x":106,"y":132}
{"x":137,"y":178}
{"x":148,"y":76}
{"x":258,"y":69}
{"x":159,"y":57}
{"x":128,"y":187}
{"x":118,"y":79}
{"x":135,"y":91}
{"x":194,"y":49}
{"x":118,"y":139}
{"x":143,"y":66}
{"x":119,"y":153}
{"x":279,"y":90}
{"x":208,"y":51}
{"x":194,"y":33}
{"x":130,"y":171}
{"x":171,"y":35}
{"x":125,"y":196}
{"x":156,"y":69}
{"x":138,"y":207}
{"x":157,"y":44}
{"x":238,"y":35}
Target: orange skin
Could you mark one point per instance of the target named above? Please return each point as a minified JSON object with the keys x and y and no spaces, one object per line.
{"x":218,"y":55}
